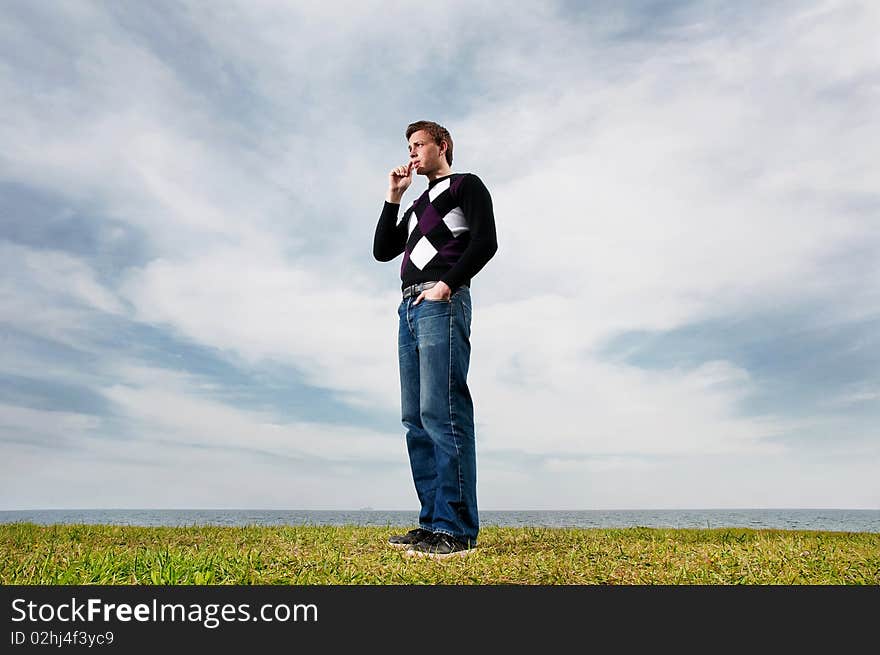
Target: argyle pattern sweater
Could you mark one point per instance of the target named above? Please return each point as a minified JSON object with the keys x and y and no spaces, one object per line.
{"x":446,"y":234}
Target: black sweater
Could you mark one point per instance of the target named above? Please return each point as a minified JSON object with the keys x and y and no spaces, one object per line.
{"x":446,"y":234}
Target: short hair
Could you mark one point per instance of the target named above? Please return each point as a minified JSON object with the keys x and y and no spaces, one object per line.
{"x":437,"y":132}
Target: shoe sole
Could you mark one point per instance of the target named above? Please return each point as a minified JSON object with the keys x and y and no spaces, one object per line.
{"x":390,"y":543}
{"x":420,"y":553}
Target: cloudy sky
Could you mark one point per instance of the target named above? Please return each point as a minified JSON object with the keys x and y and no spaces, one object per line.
{"x":683,"y":311}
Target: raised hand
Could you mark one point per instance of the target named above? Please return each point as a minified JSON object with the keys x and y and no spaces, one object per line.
{"x":399,"y":180}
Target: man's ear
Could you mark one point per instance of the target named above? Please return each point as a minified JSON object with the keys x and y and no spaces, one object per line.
{"x":444,"y":146}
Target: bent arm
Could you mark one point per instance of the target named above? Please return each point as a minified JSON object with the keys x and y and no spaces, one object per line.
{"x":476,"y":204}
{"x":390,"y":238}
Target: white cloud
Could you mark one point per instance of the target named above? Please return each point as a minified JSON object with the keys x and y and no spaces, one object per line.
{"x":51,"y":294}
{"x":181,"y":448}
{"x":65,"y":279}
{"x":47,"y":428}
{"x":855,"y":398}
{"x":572,"y":405}
{"x":338,"y":330}
{"x":169,"y":409}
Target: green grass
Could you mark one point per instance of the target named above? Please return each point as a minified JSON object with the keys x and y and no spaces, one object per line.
{"x":309,"y":555}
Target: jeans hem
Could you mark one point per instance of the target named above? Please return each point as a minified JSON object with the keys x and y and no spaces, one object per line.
{"x":461,"y":538}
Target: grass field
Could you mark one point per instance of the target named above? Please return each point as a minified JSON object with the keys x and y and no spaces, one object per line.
{"x":309,"y":555}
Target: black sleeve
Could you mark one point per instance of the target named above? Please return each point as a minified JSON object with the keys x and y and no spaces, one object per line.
{"x":390,"y":239}
{"x":476,"y":204}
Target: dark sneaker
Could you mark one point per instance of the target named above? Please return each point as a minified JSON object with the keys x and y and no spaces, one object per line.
{"x":410,"y":538}
{"x":439,"y":546}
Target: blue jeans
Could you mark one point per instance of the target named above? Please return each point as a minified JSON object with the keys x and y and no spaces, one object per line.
{"x":434,"y":351}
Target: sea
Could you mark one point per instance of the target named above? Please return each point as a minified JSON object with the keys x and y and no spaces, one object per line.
{"x":833,"y":520}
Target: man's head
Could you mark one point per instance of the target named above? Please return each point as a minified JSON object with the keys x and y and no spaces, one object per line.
{"x":428,"y":132}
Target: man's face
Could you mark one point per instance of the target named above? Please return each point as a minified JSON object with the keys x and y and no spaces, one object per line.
{"x":424,"y":153}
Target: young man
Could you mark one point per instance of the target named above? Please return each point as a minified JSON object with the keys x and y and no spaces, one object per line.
{"x":446,"y":236}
